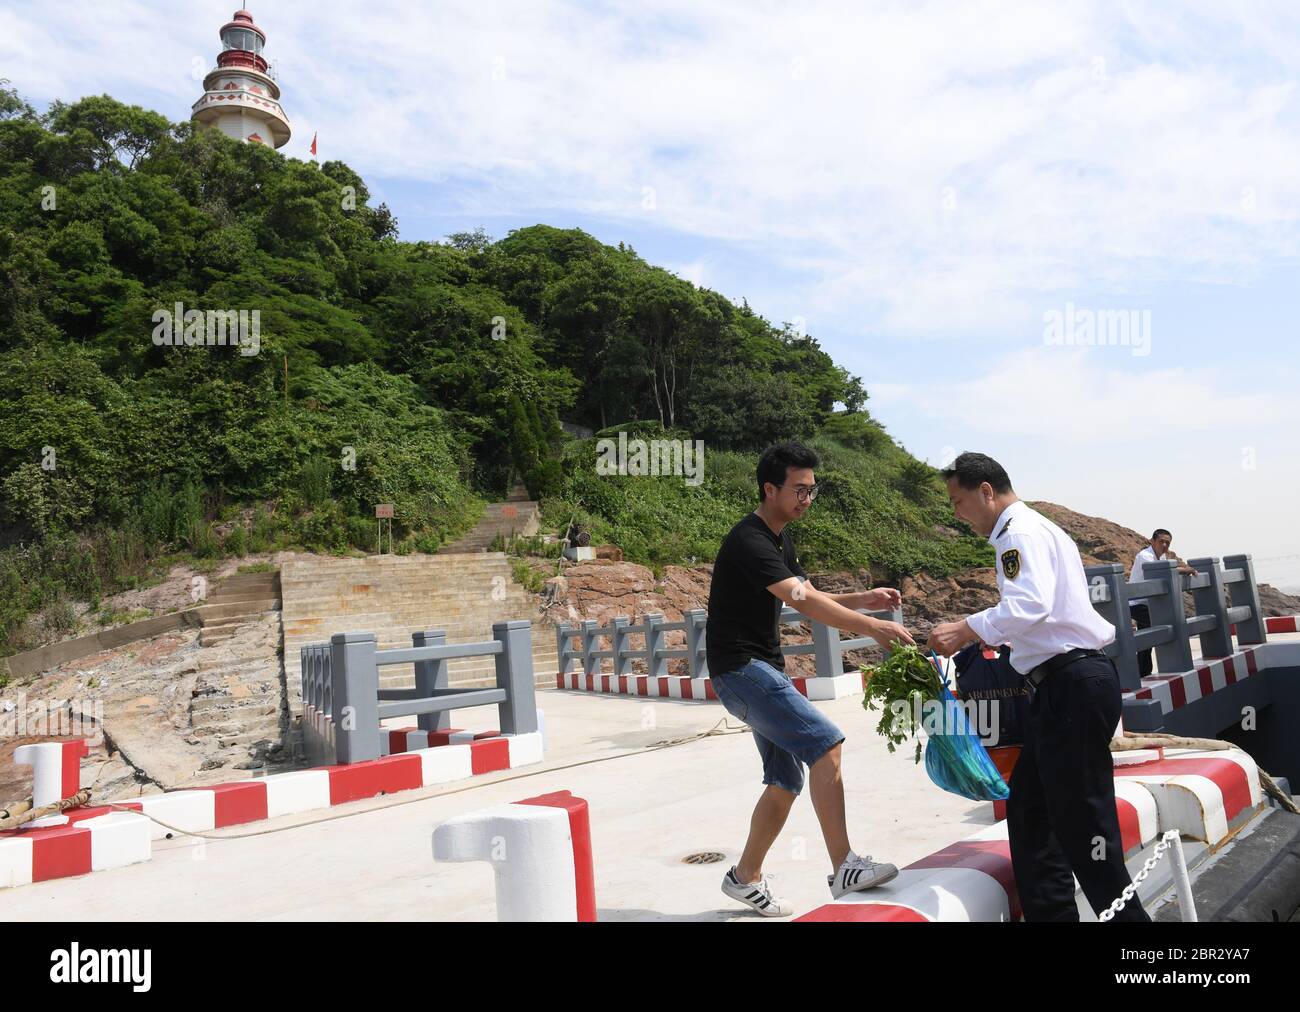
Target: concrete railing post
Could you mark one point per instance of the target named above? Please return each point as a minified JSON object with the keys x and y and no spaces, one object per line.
{"x":618,"y":638}
{"x":1246,"y":594}
{"x":1210,"y":600}
{"x":354,"y":674}
{"x":1109,"y":595}
{"x":654,"y":642}
{"x":518,"y":711}
{"x":695,"y":620}
{"x":564,"y":646}
{"x":1167,"y":609}
{"x":430,"y":676}
{"x":827,"y":652}
{"x":590,"y":665}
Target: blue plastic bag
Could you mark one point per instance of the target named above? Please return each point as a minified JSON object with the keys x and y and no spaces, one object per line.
{"x":955,"y":759}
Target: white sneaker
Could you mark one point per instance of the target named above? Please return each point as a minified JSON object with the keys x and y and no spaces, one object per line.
{"x":757,"y":895}
{"x":859,"y":873}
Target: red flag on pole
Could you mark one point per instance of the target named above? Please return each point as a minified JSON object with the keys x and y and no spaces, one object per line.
{"x":313,"y":145}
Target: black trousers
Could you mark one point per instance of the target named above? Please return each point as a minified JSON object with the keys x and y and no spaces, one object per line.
{"x":1061,"y":816}
{"x":1142,"y":616}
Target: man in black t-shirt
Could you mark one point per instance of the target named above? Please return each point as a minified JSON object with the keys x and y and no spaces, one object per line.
{"x":756,"y":573}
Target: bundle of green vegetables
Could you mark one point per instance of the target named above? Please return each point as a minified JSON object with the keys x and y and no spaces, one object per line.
{"x":906,"y":675}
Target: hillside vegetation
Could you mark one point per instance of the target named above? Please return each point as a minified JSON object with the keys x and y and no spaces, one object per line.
{"x":425,"y":374}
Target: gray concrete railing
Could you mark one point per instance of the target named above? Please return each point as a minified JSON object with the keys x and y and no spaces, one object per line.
{"x":826,"y":643}
{"x":341,"y":679}
{"x":1223,"y":595}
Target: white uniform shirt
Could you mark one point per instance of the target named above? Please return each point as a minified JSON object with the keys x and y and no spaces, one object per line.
{"x":1045,"y":608}
{"x":1138,"y":573}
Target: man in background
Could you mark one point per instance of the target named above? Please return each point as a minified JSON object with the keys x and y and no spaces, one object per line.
{"x":1161,"y":539}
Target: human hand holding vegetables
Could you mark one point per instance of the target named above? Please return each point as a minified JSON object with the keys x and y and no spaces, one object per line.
{"x":906,"y":676}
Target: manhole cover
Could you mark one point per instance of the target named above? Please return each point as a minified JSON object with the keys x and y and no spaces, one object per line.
{"x":704,"y":857}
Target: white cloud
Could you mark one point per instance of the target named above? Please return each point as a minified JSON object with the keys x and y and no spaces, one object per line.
{"x":1091,"y":397}
{"x":938,"y":169}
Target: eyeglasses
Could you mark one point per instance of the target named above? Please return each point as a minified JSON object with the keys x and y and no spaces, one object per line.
{"x":805,"y":494}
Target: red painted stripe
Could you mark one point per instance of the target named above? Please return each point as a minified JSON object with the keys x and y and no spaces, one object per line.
{"x":622,"y":685}
{"x":584,"y":873}
{"x":992,"y":857}
{"x":1282,"y":624}
{"x":373,"y":777}
{"x":1226,"y":774}
{"x":1143,"y":694}
{"x":604,"y":683}
{"x":1130,"y":828}
{"x":397,"y":739}
{"x":1177,"y":691}
{"x":1251,"y":666}
{"x":237,"y":803}
{"x":489,"y":755}
{"x":642,"y":688}
{"x":999,"y":811}
{"x":1206,"y":681}
{"x":708,"y":690}
{"x":76,"y":815}
{"x":487,"y":734}
{"x":559,"y":680}
{"x":663,"y":687}
{"x":59,"y":851}
{"x":687,"y":689}
{"x":1230,"y":671}
{"x":72,"y":753}
{"x":591,"y":683}
{"x":801,"y":684}
{"x":842,"y":912}
{"x":442,"y":737}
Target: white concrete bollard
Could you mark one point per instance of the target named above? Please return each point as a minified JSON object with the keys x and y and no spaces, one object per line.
{"x":56,"y":774}
{"x":540,"y":852}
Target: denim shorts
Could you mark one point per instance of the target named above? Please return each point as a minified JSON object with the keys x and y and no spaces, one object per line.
{"x":790,"y":732}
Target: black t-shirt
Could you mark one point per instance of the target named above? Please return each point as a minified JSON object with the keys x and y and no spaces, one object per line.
{"x":744,"y":618}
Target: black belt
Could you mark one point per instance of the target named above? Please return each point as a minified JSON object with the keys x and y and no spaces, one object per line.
{"x":1036,"y":675}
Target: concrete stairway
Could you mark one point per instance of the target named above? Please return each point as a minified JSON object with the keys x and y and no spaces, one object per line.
{"x":238,"y":695}
{"x":394,"y":596}
{"x":501,"y":519}
{"x":236,"y":601}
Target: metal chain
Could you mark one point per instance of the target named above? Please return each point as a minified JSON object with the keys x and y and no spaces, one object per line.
{"x":1129,"y":890}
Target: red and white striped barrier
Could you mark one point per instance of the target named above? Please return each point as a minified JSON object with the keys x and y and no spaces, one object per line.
{"x":699,"y":689}
{"x":540,"y":852}
{"x":79,"y":840}
{"x":1204,"y":795}
{"x":1177,"y":690}
{"x":1278,"y":624}
{"x":206,"y":808}
{"x":91,"y":841}
{"x":970,"y":880}
{"x":394,"y":741}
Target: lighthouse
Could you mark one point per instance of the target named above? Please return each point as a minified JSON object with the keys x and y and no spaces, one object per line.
{"x":240,"y":98}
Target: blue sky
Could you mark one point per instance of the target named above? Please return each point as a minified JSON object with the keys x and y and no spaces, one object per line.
{"x":919,"y":184}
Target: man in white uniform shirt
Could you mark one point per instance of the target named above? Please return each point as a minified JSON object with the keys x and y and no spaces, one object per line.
{"x":1161,"y":539}
{"x":1061,"y":817}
